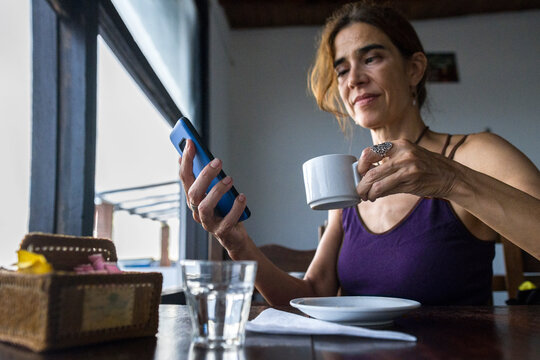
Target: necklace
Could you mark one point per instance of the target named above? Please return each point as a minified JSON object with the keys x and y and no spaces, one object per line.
{"x":421,"y":135}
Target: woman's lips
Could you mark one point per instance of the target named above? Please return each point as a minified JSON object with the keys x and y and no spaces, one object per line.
{"x":364,"y":99}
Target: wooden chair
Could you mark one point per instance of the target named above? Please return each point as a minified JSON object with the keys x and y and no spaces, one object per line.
{"x":519,"y":266}
{"x":287,"y":259}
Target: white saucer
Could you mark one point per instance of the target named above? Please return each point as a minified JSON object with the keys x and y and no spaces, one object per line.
{"x":355,"y":310}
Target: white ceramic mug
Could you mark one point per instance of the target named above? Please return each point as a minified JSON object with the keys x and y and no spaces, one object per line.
{"x":330,"y":181}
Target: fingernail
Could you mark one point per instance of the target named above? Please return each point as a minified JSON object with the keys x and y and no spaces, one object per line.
{"x":214,"y":163}
{"x":227,"y":180}
{"x":241,"y":198}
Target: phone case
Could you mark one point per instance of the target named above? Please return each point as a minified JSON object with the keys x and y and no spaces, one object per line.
{"x":184,"y":130}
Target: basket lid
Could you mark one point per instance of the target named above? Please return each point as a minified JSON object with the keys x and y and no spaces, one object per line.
{"x":64,"y":252}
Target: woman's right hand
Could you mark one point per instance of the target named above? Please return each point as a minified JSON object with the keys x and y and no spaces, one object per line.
{"x":229,"y":232}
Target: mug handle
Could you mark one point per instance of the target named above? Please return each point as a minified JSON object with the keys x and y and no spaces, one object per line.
{"x":357,"y":176}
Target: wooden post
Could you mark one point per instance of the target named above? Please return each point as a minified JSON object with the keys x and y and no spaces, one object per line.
{"x":103,"y":223}
{"x":165,"y":261}
{"x":63,"y":116}
{"x":513,"y":262}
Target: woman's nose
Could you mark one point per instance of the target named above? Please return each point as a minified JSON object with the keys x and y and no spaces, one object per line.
{"x":357,"y":77}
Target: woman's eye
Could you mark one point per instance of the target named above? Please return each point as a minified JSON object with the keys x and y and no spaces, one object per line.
{"x":342,"y":72}
{"x":371,"y":59}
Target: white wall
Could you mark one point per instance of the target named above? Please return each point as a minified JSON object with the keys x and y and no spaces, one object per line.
{"x":498,"y":59}
{"x":220,"y":62}
{"x":15,"y":127}
{"x":276,"y":126}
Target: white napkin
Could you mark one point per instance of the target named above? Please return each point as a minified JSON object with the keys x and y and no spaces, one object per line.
{"x":281,"y":322}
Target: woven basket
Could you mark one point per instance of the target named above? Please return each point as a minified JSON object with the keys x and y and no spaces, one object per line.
{"x":63,"y":309}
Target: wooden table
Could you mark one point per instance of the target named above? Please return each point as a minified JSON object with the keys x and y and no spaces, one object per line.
{"x":472,"y":332}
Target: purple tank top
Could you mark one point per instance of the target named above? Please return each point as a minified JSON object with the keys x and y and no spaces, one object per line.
{"x":430,"y":257}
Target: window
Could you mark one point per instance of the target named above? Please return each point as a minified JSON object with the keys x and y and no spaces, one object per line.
{"x":64,"y":133}
{"x":133,"y":155}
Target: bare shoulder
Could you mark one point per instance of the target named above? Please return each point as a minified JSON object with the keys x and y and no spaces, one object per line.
{"x":488,"y":140}
{"x":483,"y":150}
{"x":493,"y":155}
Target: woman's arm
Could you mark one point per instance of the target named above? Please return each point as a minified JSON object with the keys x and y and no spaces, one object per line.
{"x":501,"y":187}
{"x":276,"y":286}
{"x":322,"y":273}
{"x":490,"y":179}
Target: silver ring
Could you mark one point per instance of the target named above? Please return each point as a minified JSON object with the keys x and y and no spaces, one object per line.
{"x":382,"y":149}
{"x":194,"y":208}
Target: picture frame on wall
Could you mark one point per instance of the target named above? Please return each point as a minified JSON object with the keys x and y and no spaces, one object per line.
{"x":442,"y":67}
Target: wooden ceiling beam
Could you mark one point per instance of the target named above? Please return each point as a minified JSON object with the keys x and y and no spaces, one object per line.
{"x":282,"y":13}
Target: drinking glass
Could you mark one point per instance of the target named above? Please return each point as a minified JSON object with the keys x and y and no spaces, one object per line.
{"x":218,"y":294}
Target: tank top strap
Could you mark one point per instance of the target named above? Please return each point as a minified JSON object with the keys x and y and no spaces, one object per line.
{"x":447,"y":142}
{"x":459,"y":143}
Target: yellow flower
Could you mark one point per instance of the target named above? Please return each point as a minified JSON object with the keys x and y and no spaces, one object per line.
{"x":31,"y":263}
{"x":527,"y":285}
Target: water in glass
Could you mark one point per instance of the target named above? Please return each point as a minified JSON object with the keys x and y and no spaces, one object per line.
{"x":220,"y":313}
{"x":219,"y":297}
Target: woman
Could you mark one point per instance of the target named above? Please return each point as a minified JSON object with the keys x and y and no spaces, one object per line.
{"x":433,"y":204}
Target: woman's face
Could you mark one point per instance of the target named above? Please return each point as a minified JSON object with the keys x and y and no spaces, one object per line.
{"x":371,"y":75}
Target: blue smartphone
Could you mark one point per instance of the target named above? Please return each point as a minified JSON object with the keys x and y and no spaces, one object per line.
{"x":184,"y":130}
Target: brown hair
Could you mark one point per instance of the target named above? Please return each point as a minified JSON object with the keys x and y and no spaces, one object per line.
{"x":322,"y":79}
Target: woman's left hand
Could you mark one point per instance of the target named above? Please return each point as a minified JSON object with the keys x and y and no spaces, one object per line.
{"x":406,"y":168}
